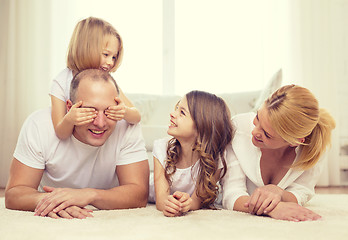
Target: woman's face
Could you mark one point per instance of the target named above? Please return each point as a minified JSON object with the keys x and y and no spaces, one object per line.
{"x":263,"y":134}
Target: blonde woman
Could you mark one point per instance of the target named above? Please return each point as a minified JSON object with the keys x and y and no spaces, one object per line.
{"x":96,"y":44}
{"x":188,"y":167}
{"x":279,"y":150}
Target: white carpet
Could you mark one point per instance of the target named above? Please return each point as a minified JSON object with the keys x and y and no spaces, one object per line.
{"x":148,"y":223}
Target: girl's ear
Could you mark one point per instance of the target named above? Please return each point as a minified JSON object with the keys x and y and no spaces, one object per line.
{"x":68,"y":105}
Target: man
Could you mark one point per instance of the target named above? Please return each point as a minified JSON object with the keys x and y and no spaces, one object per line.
{"x":103,"y":164}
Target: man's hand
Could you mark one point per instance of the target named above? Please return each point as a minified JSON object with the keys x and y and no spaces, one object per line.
{"x":61,"y":198}
{"x":79,"y":116}
{"x":117,"y":112}
{"x":71,"y":212}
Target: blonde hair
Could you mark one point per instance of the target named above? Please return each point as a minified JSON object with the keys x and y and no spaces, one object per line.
{"x":215,"y":131}
{"x":294,"y":113}
{"x":86,"y":44}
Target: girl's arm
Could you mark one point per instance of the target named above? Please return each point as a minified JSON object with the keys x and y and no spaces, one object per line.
{"x":62,"y":127}
{"x":131,"y":114}
{"x":161,"y":184}
{"x":165,"y":202}
{"x":64,"y":122}
{"x":193,"y":202}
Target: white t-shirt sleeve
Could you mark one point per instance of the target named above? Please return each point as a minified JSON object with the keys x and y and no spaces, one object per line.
{"x":234,"y":181}
{"x":160,"y":150}
{"x":29,"y":149}
{"x":133,"y":145}
{"x":60,"y":87}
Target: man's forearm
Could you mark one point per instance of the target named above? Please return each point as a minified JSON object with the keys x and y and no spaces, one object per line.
{"x":22,"y":198}
{"x":122,"y":197}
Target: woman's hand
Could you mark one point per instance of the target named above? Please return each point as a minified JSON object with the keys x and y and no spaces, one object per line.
{"x":264,"y":199}
{"x":291,"y":211}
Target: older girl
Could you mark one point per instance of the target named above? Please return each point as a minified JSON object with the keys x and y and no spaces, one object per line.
{"x":188,"y":167}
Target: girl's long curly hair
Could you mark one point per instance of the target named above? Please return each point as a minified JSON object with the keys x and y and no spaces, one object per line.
{"x":212,"y":120}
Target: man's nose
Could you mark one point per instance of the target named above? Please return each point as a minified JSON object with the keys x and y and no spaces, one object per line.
{"x":100,"y":120}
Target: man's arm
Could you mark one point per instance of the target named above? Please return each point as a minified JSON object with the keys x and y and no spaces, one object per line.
{"x":21,"y":191}
{"x":132,"y":192}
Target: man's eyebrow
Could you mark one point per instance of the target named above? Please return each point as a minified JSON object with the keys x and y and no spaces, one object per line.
{"x":88,"y":107}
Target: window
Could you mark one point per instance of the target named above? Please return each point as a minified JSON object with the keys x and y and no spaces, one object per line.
{"x":172,"y":47}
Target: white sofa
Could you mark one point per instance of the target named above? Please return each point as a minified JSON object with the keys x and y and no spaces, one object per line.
{"x":155,"y":109}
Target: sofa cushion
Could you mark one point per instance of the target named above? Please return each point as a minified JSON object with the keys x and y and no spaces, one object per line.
{"x":272,"y":85}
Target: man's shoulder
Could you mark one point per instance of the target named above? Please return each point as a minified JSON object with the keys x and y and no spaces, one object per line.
{"x":40,"y":119}
{"x":126,"y":132}
{"x":41,"y":115}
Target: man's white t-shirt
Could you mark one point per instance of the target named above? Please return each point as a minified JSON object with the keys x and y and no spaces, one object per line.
{"x":72,"y":164}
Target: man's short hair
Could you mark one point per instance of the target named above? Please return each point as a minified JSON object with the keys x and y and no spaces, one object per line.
{"x":93,"y":74}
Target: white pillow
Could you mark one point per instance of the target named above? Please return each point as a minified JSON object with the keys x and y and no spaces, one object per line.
{"x":273,"y":84}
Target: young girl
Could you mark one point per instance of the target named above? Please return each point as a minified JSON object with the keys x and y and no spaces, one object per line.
{"x":94,"y":44}
{"x":187,"y":168}
{"x":279,"y":150}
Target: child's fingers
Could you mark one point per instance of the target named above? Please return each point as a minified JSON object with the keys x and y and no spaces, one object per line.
{"x":173,"y":203}
{"x":85,"y":121}
{"x":118,"y":100}
{"x":77,"y":105}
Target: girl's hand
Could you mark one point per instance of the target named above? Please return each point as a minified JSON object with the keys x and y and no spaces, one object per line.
{"x":185,"y":200}
{"x":291,"y":211}
{"x":172,"y":207}
{"x":117,"y":112}
{"x":264,"y":199}
{"x":79,"y":116}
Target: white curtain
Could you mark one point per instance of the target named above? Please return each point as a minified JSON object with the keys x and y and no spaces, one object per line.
{"x":313,"y":56}
{"x":24,"y":63}
{"x":316,"y":59}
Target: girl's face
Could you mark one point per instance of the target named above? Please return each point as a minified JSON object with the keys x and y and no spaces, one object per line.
{"x":109,"y":53}
{"x":263,"y":134}
{"x":181,"y":125}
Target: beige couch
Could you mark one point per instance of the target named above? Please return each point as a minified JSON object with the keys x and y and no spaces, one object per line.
{"x":155,"y":109}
